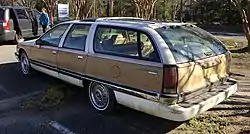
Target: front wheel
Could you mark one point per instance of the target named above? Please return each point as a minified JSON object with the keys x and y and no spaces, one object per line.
{"x":25,"y":65}
{"x":102,"y":97}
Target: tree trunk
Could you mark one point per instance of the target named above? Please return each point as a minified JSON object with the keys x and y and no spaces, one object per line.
{"x":51,"y":15}
{"x":181,"y":11}
{"x":248,"y":39}
{"x":245,"y":16}
{"x":111,"y":7}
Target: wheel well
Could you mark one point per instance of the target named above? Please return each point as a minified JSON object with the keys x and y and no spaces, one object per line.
{"x":21,"y":50}
{"x":86,"y":83}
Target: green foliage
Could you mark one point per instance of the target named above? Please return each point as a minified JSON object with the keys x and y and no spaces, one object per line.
{"x":54,"y":95}
{"x":39,"y":5}
{"x":201,"y":11}
{"x":233,"y":43}
{"x":213,"y":11}
{"x":206,"y":124}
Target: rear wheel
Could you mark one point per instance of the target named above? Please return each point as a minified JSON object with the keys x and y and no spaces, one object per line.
{"x":102,"y":97}
{"x":25,"y":65}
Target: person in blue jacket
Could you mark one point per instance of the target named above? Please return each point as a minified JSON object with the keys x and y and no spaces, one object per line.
{"x":44,"y":20}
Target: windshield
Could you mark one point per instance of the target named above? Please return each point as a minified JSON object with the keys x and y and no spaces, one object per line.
{"x":1,"y":14}
{"x":190,"y":43}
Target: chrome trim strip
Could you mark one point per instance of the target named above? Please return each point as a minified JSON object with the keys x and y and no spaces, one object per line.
{"x":70,"y":79}
{"x":72,"y":51}
{"x":150,"y":95}
{"x":143,"y":95}
{"x":45,"y":70}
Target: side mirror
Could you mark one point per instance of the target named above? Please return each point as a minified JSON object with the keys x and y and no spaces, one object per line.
{"x":38,"y":43}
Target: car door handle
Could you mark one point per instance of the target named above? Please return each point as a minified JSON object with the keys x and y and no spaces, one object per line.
{"x":149,"y":71}
{"x":54,"y":52}
{"x":152,"y":73}
{"x":80,"y":57}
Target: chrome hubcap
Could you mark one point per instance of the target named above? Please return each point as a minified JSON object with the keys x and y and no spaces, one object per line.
{"x":99,"y":96}
{"x":25,"y":64}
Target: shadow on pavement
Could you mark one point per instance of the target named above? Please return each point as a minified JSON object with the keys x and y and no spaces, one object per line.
{"x":78,"y":116}
{"x":13,"y":83}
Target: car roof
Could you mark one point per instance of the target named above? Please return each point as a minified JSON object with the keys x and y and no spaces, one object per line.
{"x":16,"y":7}
{"x":127,"y":21}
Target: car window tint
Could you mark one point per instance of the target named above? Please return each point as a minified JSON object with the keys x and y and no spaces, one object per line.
{"x":1,"y":14}
{"x":53,"y":37}
{"x":147,"y":48}
{"x":76,"y":38}
{"x":116,"y":41}
{"x":21,"y":13}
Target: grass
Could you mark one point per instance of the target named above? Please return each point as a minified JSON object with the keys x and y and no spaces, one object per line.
{"x":54,"y":95}
{"x":206,"y":124}
{"x":233,"y":43}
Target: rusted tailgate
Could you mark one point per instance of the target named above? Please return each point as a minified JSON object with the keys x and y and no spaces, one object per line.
{"x":202,"y":73}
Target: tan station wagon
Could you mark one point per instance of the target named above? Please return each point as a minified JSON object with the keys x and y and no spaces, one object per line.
{"x":170,"y":70}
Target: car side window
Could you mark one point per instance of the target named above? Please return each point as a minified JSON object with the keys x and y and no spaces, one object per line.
{"x":116,"y":41}
{"x":53,"y":37}
{"x":77,"y":36}
{"x":125,"y":42}
{"x":21,"y":14}
{"x":147,"y":49}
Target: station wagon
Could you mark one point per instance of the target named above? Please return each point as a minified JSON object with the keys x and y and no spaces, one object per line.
{"x":170,"y":70}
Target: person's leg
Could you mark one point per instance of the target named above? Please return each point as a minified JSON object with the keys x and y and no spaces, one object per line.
{"x":44,"y":29}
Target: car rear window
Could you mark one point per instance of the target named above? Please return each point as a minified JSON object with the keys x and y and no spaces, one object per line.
{"x":1,"y":14}
{"x":189,"y":43}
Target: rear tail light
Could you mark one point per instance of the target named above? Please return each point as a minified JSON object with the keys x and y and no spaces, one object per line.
{"x":6,"y":25}
{"x":170,"y":80}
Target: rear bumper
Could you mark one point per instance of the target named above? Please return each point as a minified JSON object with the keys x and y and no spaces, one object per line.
{"x":179,"y":113}
{"x":8,"y":35}
{"x":175,"y":112}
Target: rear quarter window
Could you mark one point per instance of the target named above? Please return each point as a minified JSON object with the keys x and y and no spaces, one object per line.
{"x":125,"y":42}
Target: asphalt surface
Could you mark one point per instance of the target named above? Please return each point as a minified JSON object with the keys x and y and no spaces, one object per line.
{"x":75,"y":116}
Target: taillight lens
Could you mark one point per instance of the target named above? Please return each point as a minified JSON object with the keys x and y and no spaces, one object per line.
{"x":6,"y":25}
{"x":170,"y":80}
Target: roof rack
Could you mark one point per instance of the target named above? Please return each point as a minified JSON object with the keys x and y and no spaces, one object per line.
{"x":112,"y":18}
{"x":125,"y":20}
